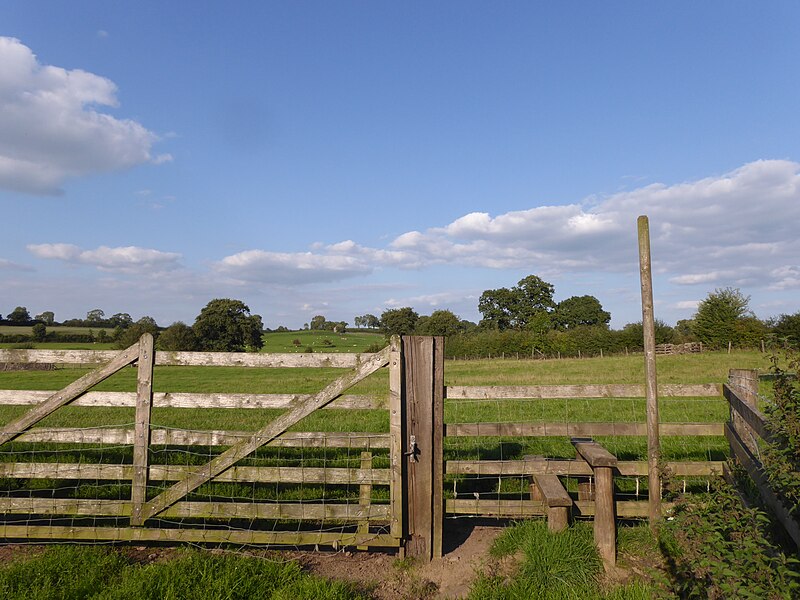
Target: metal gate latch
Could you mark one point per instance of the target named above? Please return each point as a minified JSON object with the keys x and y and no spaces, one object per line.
{"x":413,"y":450}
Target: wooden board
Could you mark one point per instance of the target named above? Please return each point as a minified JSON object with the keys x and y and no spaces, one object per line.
{"x":32,"y":470}
{"x":184,"y":437}
{"x":209,"y":536}
{"x":575,"y":467}
{"x":594,"y":454}
{"x":201,"y":359}
{"x":533,"y":508}
{"x":578,"y":391}
{"x":754,"y":418}
{"x":553,"y":492}
{"x":192,"y":400}
{"x":205,"y":510}
{"x":578,"y":429}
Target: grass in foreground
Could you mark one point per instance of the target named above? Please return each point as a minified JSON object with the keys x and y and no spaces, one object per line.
{"x":79,"y":572}
{"x":551,"y":566}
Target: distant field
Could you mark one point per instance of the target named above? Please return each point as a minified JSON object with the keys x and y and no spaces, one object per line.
{"x":336,"y":342}
{"x":61,"y":345}
{"x":26,"y":330}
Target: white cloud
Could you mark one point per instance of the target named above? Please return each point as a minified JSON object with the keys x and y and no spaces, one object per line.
{"x":721,"y":230}
{"x":687,"y":304}
{"x":126,"y":259}
{"x":8,"y":265}
{"x":50,"y":128}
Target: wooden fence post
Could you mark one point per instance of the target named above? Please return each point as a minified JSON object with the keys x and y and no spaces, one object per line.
{"x":651,"y":385}
{"x":423,"y":358}
{"x":396,"y":430}
{"x":745,"y":383}
{"x":141,"y":434}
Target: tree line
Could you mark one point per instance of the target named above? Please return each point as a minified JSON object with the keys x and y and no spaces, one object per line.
{"x":223,"y":325}
{"x":525,"y":319}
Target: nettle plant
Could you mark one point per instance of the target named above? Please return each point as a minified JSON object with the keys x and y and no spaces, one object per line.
{"x":781,"y":456}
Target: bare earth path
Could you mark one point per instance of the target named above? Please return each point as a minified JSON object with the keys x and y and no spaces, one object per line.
{"x":466,"y":550}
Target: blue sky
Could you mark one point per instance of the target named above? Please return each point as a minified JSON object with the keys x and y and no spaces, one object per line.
{"x":344,"y":158}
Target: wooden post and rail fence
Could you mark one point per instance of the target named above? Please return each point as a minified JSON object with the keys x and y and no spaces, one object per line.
{"x":166,"y":502}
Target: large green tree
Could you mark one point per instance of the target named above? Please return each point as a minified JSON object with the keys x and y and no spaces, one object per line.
{"x":178,"y":336}
{"x":787,"y":329}
{"x":130,"y":335}
{"x":47,"y":317}
{"x":519,"y":307}
{"x":440,"y":322}
{"x":719,"y":315}
{"x":19,"y":316}
{"x":399,"y":321}
{"x":226,"y":325}
{"x":580,"y":310}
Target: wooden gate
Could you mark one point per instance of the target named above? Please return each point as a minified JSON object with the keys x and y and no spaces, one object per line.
{"x":168,"y":501}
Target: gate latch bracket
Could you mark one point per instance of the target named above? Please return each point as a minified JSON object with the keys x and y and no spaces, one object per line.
{"x":412,"y":449}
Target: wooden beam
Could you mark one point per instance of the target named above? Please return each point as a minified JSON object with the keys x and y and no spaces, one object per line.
{"x":753,"y":417}
{"x":215,"y":536}
{"x":532,"y":508}
{"x":29,"y":470}
{"x":69,"y":393}
{"x":594,"y":454}
{"x":527,"y":429}
{"x":339,"y":360}
{"x":193,"y":400}
{"x":264,"y":435}
{"x":141,"y":441}
{"x":492,"y":392}
{"x":396,"y":432}
{"x":189,"y":437}
{"x":205,"y":510}
{"x":626,"y":468}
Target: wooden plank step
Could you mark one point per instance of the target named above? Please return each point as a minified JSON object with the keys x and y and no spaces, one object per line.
{"x":593,"y":453}
{"x":553,"y":492}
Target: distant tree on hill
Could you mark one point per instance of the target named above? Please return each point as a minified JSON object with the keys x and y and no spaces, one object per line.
{"x":580,"y":310}
{"x":715,"y":323}
{"x":122,"y":320}
{"x":130,"y":335}
{"x":19,"y":316}
{"x":226,"y":325}
{"x":369,"y":321}
{"x":95,"y":315}
{"x":47,"y":317}
{"x":518,"y":307}
{"x":318,"y":322}
{"x":440,"y":322}
{"x":178,"y":336}
{"x":399,"y":321}
{"x":787,"y":329}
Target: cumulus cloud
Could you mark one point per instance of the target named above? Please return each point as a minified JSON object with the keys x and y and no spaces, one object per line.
{"x":334,"y":262}
{"x":721,"y":231}
{"x":51,"y":128}
{"x":125,"y":259}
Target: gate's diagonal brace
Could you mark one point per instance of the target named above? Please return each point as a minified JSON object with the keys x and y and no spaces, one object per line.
{"x":263,"y":436}
{"x":68,"y":394}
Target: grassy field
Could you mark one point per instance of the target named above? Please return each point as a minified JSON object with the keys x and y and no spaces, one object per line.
{"x":320,"y":341}
{"x":27,"y":329}
{"x":125,"y":580}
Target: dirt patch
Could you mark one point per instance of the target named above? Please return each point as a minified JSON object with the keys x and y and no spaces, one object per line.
{"x":390,"y":578}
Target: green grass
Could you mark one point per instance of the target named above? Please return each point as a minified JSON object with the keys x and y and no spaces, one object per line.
{"x":320,"y":341}
{"x":560,"y":566}
{"x":61,"y":345}
{"x":102,"y":573}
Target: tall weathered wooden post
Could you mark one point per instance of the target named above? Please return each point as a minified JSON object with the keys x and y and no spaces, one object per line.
{"x":423,"y":399}
{"x":651,"y":384}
